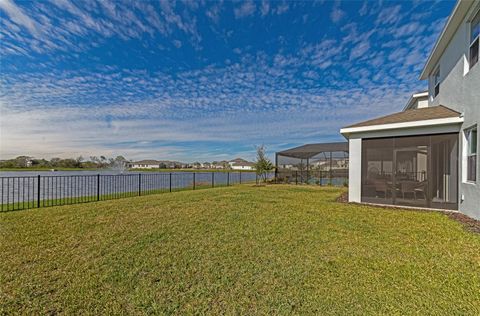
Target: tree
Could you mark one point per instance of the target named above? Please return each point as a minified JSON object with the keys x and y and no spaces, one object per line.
{"x":22,"y":161}
{"x":263,"y":165}
{"x":120,"y":158}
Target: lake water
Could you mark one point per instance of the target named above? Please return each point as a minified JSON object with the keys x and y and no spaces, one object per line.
{"x":67,"y":173}
{"x":25,"y":188}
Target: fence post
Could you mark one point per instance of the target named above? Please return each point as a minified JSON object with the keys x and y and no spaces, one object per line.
{"x":256,"y":178}
{"x":228,"y":179}
{"x":296,"y":177}
{"x":240,"y":175}
{"x":38,"y":191}
{"x":213,"y":179}
{"x":194,"y":180}
{"x":98,"y":187}
{"x":139,"y":184}
{"x":170,"y":182}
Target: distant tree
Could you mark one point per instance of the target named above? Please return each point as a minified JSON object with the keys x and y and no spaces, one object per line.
{"x":263,"y":165}
{"x":40,"y":162}
{"x":79,"y":161}
{"x":54,"y":162}
{"x":22,"y":161}
{"x":225,"y":165}
{"x":120,"y":158}
{"x":95,"y":160}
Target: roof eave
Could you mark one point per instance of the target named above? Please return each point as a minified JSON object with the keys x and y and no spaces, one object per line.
{"x":403,"y":125}
{"x":453,"y":22}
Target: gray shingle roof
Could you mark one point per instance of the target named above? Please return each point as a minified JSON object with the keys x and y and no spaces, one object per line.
{"x":428,"y":113}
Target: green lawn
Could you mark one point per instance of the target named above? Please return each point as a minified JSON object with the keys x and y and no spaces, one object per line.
{"x":236,"y":250}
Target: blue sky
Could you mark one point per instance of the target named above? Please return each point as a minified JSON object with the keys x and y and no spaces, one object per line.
{"x":203,"y":80}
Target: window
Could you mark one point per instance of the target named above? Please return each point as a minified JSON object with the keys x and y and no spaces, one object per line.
{"x":436,"y":82}
{"x":471,"y":142}
{"x":474,"y":39}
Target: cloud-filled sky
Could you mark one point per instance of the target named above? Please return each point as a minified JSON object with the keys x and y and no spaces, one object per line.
{"x":203,"y":80}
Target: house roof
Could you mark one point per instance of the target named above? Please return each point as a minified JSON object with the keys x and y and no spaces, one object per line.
{"x":147,"y":162}
{"x":428,"y":113}
{"x":454,"y":21}
{"x":311,"y":150}
{"x":238,"y":160}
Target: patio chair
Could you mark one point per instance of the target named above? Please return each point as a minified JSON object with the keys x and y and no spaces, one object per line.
{"x":408,"y":187}
{"x":381,"y":186}
{"x":421,"y":189}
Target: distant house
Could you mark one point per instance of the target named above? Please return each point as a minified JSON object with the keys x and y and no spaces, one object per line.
{"x":145,"y":164}
{"x":224,"y":164}
{"x":197,"y":165}
{"x":241,"y":164}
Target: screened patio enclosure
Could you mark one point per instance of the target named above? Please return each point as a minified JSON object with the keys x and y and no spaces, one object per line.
{"x":322,"y":164}
{"x":420,"y":171}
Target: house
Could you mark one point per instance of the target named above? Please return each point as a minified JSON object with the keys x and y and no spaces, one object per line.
{"x":145,"y":164}
{"x":426,"y":155}
{"x":197,"y":165}
{"x":241,"y":164}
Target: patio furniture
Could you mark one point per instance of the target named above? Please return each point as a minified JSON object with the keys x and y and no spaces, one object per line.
{"x":381,"y":186}
{"x":407,"y":186}
{"x":412,"y":187}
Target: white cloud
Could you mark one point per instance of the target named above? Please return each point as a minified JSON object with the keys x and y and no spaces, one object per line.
{"x":18,"y":16}
{"x":282,"y":8}
{"x":337,"y":14}
{"x":389,"y":15}
{"x":359,"y":50}
{"x":265,"y":7}
{"x":246,"y":9}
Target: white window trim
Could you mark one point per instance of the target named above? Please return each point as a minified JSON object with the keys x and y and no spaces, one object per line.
{"x":469,"y":40}
{"x":465,"y":149}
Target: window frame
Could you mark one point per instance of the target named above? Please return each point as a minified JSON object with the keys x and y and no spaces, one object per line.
{"x":473,"y":41}
{"x":436,"y":84}
{"x":471,"y":177}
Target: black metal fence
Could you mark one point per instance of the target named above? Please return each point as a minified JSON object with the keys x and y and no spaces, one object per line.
{"x":335,"y":177}
{"x":25,"y":192}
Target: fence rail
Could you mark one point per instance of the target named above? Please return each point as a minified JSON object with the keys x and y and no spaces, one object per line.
{"x":335,"y":177}
{"x":26,"y":192}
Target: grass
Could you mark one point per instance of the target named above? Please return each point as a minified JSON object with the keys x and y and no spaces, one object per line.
{"x":236,"y":250}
